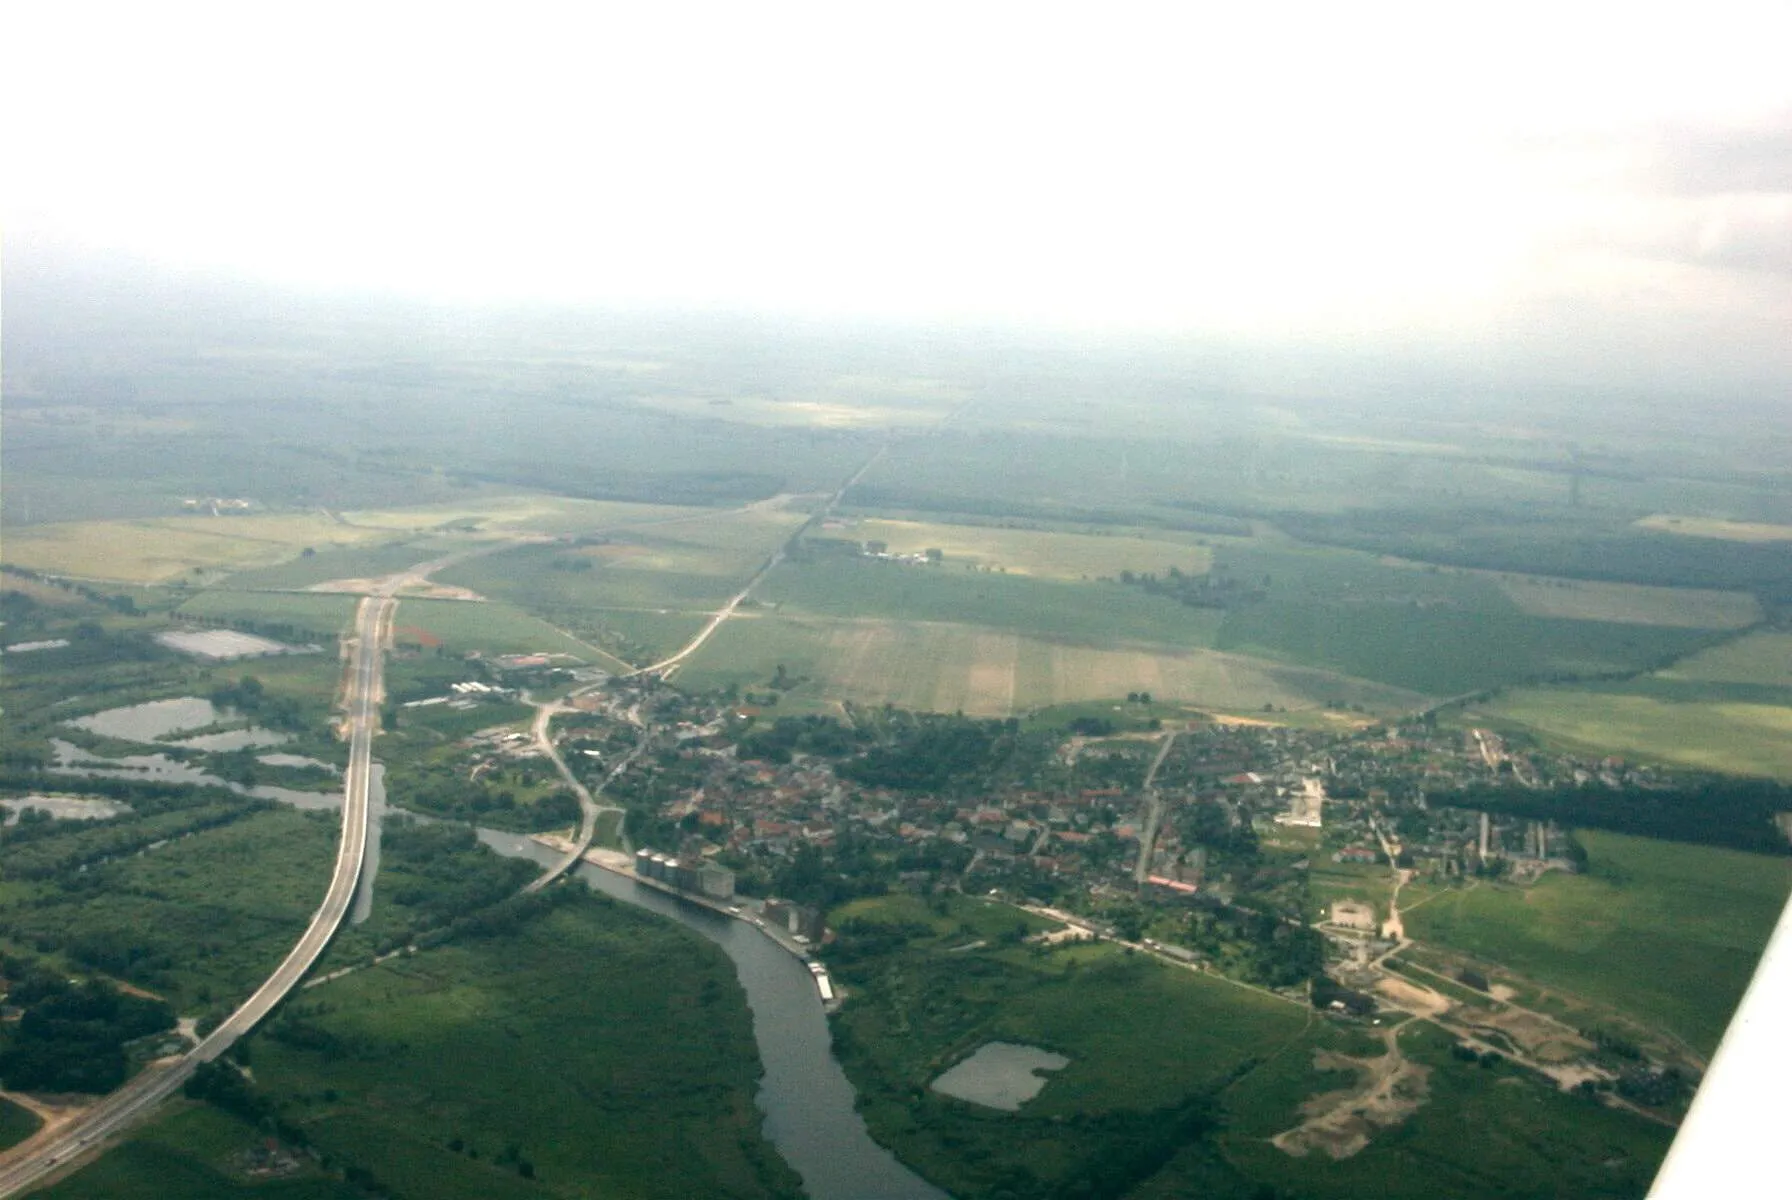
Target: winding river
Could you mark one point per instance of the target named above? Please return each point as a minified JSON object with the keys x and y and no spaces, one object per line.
{"x":808,"y":1104}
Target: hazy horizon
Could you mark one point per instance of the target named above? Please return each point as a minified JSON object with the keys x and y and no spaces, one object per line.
{"x":1596,"y":198}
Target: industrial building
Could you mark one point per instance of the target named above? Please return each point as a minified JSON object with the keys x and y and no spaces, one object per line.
{"x":687,"y":874}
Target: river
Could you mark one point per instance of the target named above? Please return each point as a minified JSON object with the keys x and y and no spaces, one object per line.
{"x":806,"y":1099}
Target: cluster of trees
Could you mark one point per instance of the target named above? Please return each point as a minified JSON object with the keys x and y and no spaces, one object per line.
{"x":117,"y":602}
{"x":1209,"y":823}
{"x":71,"y":1036}
{"x":852,"y":868}
{"x":440,"y":871}
{"x":818,"y":735}
{"x":443,"y":789}
{"x":937,"y":753}
{"x":1258,"y":946}
{"x":251,"y":698}
{"x":58,"y":850}
{"x":1714,"y":810}
{"x":1217,"y":589}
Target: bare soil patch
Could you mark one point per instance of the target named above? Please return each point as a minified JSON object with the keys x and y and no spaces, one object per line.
{"x":1412,"y":997}
{"x":1390,"y":1089}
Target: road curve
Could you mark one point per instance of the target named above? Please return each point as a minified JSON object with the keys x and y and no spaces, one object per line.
{"x":135,"y":1099}
{"x":666,"y":666}
{"x":589,"y":808}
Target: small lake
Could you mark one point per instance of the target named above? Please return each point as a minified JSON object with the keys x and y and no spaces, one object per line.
{"x":64,"y":808}
{"x":1001,"y":1075}
{"x":147,"y":722}
{"x":156,"y":720}
{"x":159,"y":768}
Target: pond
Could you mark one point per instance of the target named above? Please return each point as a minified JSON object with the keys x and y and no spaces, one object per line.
{"x":1002,"y":1075}
{"x":64,"y":808}
{"x":148,"y":722}
{"x":159,"y":768}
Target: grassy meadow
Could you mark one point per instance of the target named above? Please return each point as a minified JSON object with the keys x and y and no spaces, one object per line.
{"x":16,"y":1123}
{"x":1630,"y":603}
{"x":200,"y":919}
{"x":1758,"y":659}
{"x":1480,"y":1132}
{"x":1097,"y":613}
{"x":491,"y":627}
{"x":1713,"y":735}
{"x":443,"y":1073}
{"x":1049,"y":554}
{"x":1146,"y":1039}
{"x":949,"y":667}
{"x":324,"y":616}
{"x":1717,"y":527}
{"x":1664,"y":932}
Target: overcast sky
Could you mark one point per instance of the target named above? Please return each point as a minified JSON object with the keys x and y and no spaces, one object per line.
{"x":1581,"y":181}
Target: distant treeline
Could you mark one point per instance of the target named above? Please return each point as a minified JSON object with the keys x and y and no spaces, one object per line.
{"x":1499,"y":541}
{"x":1714,"y":811}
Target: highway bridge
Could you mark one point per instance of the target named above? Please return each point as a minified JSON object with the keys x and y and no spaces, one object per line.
{"x":35,"y":1161}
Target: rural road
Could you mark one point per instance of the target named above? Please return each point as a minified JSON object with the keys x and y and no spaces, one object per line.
{"x":666,"y":666}
{"x":1154,"y":815}
{"x":589,"y":808}
{"x":33,"y":1161}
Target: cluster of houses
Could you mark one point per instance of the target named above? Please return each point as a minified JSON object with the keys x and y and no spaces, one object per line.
{"x":1273,"y":800}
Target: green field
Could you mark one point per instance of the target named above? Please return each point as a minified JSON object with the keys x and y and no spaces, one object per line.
{"x":1052,"y":554}
{"x":1715,"y":735}
{"x":357,"y":562}
{"x":196,"y":1153}
{"x":950,"y":667}
{"x":321,"y":615}
{"x":1480,"y":1133}
{"x":1096,"y":613}
{"x":615,"y":601}
{"x":155,"y":551}
{"x":16,"y":1123}
{"x":565,"y":1041}
{"x":490,"y":627}
{"x":1664,"y":932}
{"x":1759,"y":659}
{"x":1147,"y":1042}
{"x":1630,"y":603}
{"x":1445,"y":651}
{"x":200,"y":919}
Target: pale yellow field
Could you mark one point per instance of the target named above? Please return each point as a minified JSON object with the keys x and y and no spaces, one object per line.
{"x":1752,"y":739}
{"x":1044,"y":553}
{"x":1713,"y":527}
{"x":1631,"y":603}
{"x":152,"y":551}
{"x":946,"y":667}
{"x":826,"y":411}
{"x":156,"y":550}
{"x":512,"y":514}
{"x":1760,"y":658}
